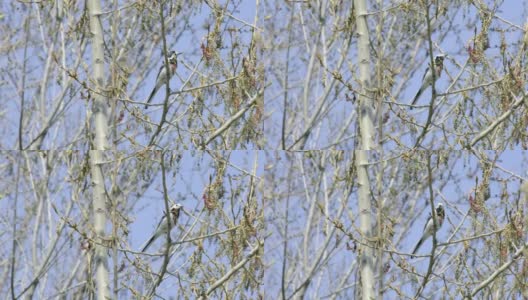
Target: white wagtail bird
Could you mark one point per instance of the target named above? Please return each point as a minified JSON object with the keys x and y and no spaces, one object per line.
{"x":162,"y":75}
{"x":429,"y":227}
{"x":163,"y":226}
{"x":427,"y":79}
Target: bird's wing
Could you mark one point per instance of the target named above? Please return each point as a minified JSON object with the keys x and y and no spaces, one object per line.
{"x":428,"y":227}
{"x":161,"y":222}
{"x":159,"y":72}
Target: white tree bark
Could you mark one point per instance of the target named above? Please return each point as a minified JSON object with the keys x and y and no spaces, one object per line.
{"x":99,"y":144}
{"x":365,"y":103}
{"x":365,"y":140}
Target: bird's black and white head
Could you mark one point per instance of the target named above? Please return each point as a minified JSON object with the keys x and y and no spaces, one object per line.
{"x":175,"y":211}
{"x":175,"y":207}
{"x":173,"y":57}
{"x":439,"y":207}
{"x":439,"y":59}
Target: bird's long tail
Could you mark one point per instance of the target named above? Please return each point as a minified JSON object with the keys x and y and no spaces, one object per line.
{"x":417,"y":246}
{"x":150,"y":97}
{"x":148,"y":243}
{"x":416,"y":97}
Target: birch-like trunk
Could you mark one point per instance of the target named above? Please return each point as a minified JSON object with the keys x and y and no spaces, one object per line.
{"x":99,"y":143}
{"x":365,"y":142}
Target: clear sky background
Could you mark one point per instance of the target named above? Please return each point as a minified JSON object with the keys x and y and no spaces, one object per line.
{"x":186,"y":186}
{"x":143,"y":204}
{"x":50,"y":54}
{"x":405,"y":205}
{"x":404,"y":59}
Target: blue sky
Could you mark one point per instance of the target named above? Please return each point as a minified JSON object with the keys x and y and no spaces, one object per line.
{"x":185,"y":32}
{"x":187,"y":181}
{"x":405,"y":205}
{"x":186,"y":186}
{"x":404,"y":60}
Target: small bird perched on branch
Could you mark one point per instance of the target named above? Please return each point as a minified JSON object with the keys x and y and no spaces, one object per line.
{"x":429,"y":227}
{"x":163,"y":225}
{"x":427,"y":79}
{"x":162,"y":75}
